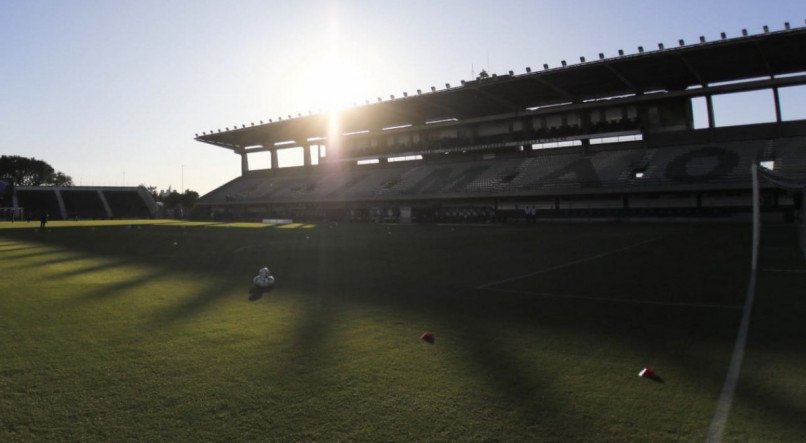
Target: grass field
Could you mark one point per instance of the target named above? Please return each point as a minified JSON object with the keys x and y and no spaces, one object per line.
{"x":127,"y":331}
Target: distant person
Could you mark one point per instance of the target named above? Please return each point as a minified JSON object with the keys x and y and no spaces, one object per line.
{"x":43,"y":221}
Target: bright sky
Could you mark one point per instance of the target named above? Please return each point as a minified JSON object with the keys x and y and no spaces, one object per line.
{"x":112,"y":92}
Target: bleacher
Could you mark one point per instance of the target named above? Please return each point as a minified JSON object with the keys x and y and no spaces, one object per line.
{"x":38,"y":202}
{"x":84,"y":204}
{"x":560,"y":171}
{"x":127,"y":204}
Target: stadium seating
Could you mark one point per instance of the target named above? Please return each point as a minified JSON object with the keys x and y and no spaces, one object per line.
{"x":608,"y":168}
{"x":85,"y":204}
{"x":126,"y":204}
{"x":38,"y":202}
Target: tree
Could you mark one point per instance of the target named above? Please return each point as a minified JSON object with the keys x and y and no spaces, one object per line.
{"x":173,"y":199}
{"x":189,"y":198}
{"x":26,"y":171}
{"x":151,"y":190}
{"x":59,"y":178}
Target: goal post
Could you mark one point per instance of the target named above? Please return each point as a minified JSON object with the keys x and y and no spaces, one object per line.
{"x":756,"y":217}
{"x":789,"y":182}
{"x":11,"y":213}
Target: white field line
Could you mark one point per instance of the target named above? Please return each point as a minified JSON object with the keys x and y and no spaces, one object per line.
{"x":568,"y":264}
{"x":618,"y":300}
{"x":720,"y":418}
{"x":794,"y":271}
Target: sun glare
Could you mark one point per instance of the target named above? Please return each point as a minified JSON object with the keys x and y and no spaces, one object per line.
{"x":333,"y":84}
{"x":333,"y":80}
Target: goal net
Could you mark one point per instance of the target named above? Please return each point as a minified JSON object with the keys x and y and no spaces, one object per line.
{"x":790,"y":180}
{"x":9,"y":214}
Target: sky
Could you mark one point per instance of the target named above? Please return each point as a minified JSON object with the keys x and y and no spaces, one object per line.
{"x":112,"y":92}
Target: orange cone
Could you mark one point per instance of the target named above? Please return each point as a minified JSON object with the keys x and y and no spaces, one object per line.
{"x":427,"y":337}
{"x":647,"y":373}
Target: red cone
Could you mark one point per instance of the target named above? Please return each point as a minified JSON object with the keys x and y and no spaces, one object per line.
{"x":647,"y":373}
{"x":427,"y":337}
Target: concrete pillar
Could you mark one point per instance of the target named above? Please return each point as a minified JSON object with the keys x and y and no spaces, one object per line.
{"x":244,"y":164}
{"x":274,"y":163}
{"x":777,"y":105}
{"x":710,"y":105}
{"x":306,"y":154}
{"x":107,"y":208}
{"x":62,"y":209}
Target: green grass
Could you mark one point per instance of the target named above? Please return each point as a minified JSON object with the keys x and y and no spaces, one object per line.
{"x":112,"y":332}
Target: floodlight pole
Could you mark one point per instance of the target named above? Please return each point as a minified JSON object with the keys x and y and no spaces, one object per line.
{"x":182,"y":179}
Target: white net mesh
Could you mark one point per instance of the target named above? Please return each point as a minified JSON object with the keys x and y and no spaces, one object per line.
{"x":11,"y":213}
{"x":792,"y":179}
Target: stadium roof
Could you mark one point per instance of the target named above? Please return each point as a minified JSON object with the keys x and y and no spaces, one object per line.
{"x":665,"y":69}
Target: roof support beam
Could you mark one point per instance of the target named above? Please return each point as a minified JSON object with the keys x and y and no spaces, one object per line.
{"x":764,"y":58}
{"x":399,"y":112}
{"x":506,"y":103}
{"x":553,"y":87}
{"x":691,"y":70}
{"x":450,"y":112}
{"x":777,"y":99}
{"x":219,"y":144}
{"x":630,"y":85}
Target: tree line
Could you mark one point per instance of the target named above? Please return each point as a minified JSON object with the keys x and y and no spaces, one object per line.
{"x":172,"y":199}
{"x":24,"y":171}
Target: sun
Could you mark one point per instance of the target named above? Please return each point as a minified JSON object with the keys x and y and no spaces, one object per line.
{"x":334,"y":77}
{"x":334,"y":83}
{"x":330,"y":85}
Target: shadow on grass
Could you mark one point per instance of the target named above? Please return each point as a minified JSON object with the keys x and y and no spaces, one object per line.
{"x":107,"y":291}
{"x":21,"y":258}
{"x":18,"y":249}
{"x":256,"y":292}
{"x":502,"y":368}
{"x":527,"y":392}
{"x":751,"y":395}
{"x":193,"y":304}
{"x":110,"y":264}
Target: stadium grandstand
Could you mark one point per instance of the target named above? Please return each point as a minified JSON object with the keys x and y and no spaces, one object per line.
{"x":608,"y":138}
{"x":81,"y":202}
